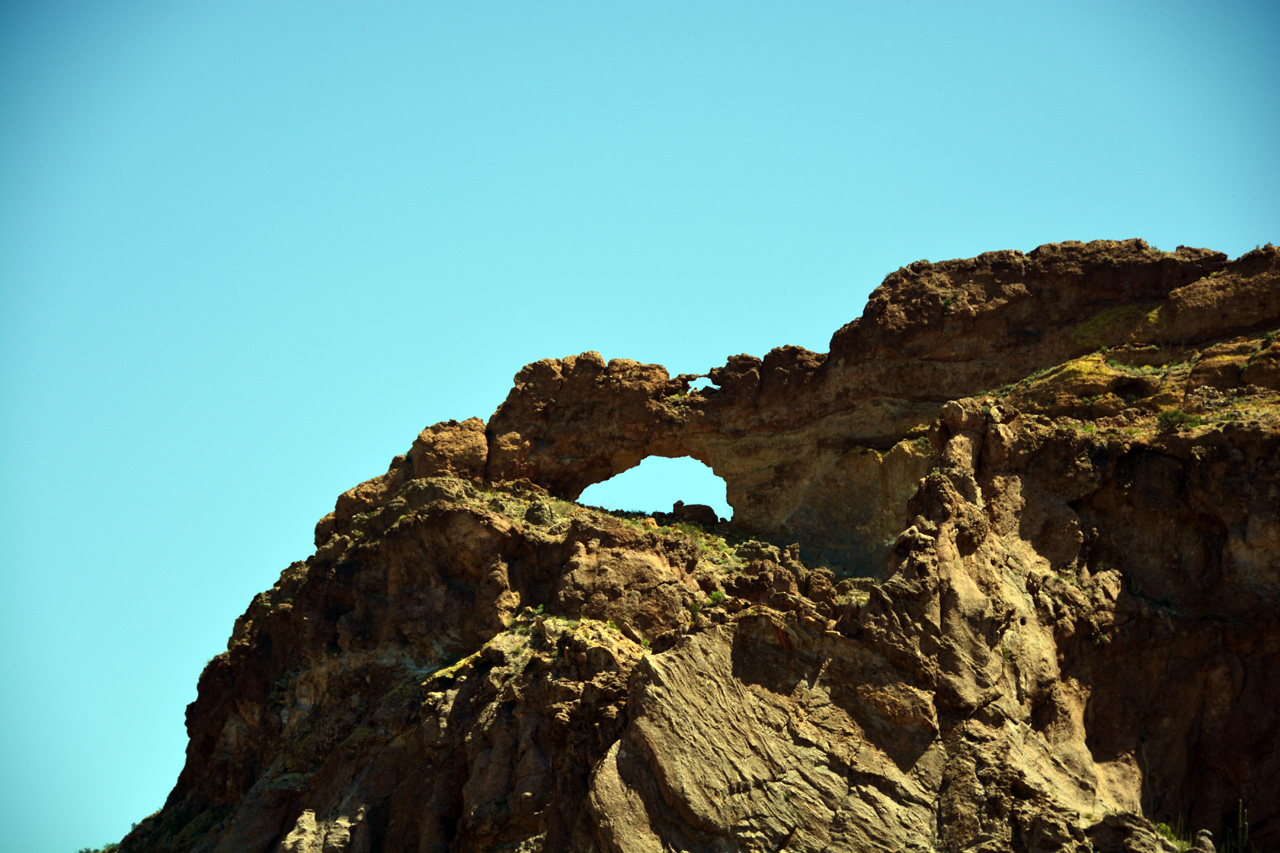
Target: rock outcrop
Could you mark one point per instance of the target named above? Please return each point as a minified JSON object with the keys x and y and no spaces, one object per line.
{"x":1003,"y":573}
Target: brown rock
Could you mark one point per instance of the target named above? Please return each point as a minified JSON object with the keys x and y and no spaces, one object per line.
{"x":1068,"y":632}
{"x":695,"y":513}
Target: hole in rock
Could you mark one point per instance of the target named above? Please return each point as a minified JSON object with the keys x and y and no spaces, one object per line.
{"x":657,"y":483}
{"x":701,"y":382}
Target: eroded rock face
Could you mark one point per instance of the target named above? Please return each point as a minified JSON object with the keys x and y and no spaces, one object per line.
{"x":1048,"y":486}
{"x":789,"y":434}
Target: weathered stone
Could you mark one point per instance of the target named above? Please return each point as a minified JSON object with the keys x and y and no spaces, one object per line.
{"x":1057,"y":474}
{"x":695,"y":513}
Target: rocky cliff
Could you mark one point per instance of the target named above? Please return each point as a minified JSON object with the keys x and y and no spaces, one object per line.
{"x":1003,"y":573}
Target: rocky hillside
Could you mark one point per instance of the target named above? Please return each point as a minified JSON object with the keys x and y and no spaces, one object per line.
{"x":1003,"y":575}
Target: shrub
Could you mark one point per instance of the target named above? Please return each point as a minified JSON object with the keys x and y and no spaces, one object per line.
{"x":1178,"y":834}
{"x":715,"y":598}
{"x":1171,"y":420}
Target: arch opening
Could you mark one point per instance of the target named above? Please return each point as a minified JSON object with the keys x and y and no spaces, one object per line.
{"x":656,"y":484}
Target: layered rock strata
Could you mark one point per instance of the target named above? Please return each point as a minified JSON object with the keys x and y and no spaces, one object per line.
{"x":1003,"y":574}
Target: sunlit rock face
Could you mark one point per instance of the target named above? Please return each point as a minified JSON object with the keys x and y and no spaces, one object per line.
{"x":1003,"y":573}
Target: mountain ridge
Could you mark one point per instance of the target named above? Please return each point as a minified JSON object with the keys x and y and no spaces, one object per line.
{"x":1002,"y":574}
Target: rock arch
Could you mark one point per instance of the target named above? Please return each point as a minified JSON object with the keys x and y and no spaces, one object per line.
{"x":658,"y":484}
{"x":818,"y":448}
{"x":767,"y":430}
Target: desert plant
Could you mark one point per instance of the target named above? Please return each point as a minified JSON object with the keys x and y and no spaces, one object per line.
{"x":1171,"y":420}
{"x":1235,"y":839}
{"x":1178,"y":834}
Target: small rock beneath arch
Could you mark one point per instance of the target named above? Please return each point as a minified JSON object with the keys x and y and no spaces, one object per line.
{"x":696,"y":513}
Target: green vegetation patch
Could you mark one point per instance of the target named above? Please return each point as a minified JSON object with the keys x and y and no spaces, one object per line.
{"x":715,"y":548}
{"x":1089,"y":375}
{"x":1172,"y":420}
{"x":1178,"y":834}
{"x":1110,"y":327}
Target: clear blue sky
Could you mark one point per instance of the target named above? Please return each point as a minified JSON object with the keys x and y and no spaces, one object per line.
{"x":248,"y":250}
